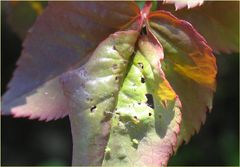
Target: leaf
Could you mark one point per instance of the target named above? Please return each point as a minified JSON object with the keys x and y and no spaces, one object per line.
{"x":190,"y":68}
{"x":147,"y":116}
{"x":217,"y":21}
{"x":92,"y":92}
{"x":61,"y":39}
{"x":123,"y":110}
{"x":179,"y":4}
{"x":121,"y":88}
{"x":21,"y":15}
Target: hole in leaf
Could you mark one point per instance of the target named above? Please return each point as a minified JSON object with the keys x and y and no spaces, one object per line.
{"x":116,"y":78}
{"x":143,"y":31}
{"x":140,"y":65}
{"x":93,"y":108}
{"x":149,"y":114}
{"x":135,"y":117}
{"x":150,"y":102}
{"x":142,"y":80}
{"x":139,"y":103}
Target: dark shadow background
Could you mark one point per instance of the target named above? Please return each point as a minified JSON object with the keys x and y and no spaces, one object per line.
{"x":29,"y":142}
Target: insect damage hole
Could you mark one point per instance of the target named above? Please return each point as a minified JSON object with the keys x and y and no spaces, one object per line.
{"x":150,"y":101}
{"x":114,"y":47}
{"x":93,"y":108}
{"x":140,"y":65}
{"x":142,"y":80}
{"x":116,"y":78}
{"x":144,"y":31}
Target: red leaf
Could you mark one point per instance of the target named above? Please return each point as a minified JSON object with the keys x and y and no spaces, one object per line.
{"x":60,"y":40}
{"x":217,"y":21}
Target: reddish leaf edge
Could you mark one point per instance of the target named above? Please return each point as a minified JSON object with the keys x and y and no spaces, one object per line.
{"x":206,"y":48}
{"x":153,"y":39}
{"x":135,"y":23}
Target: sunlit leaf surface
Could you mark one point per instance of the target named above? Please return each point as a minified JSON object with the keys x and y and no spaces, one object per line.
{"x":146,"y":119}
{"x":144,"y":109}
{"x":92,"y":92}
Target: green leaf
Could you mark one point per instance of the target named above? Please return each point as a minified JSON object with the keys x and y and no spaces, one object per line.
{"x":123,"y":110}
{"x":190,"y":68}
{"x":61,"y":39}
{"x":140,"y":4}
{"x":136,"y":102}
{"x":92,"y":92}
{"x":146,"y":123}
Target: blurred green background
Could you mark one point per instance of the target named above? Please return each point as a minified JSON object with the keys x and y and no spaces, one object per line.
{"x":29,"y":142}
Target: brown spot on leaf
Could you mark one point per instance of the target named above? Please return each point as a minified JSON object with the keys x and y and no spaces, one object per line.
{"x":89,"y":99}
